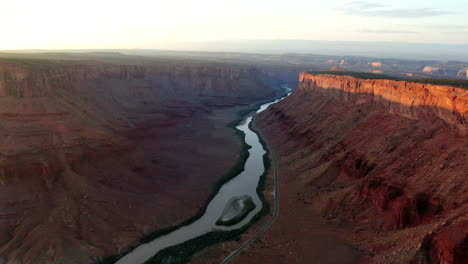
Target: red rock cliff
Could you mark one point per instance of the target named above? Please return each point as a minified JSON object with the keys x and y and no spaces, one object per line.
{"x":408,"y":99}
{"x":386,"y":160}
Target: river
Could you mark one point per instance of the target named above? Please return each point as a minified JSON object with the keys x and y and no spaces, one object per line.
{"x":244,"y":183}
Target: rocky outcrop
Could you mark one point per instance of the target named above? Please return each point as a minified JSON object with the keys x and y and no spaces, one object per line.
{"x":449,"y":244}
{"x":408,"y":99}
{"x":386,"y":160}
{"x":433,"y":70}
{"x":463,"y":73}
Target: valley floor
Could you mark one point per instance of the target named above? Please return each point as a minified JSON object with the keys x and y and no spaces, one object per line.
{"x":297,"y":236}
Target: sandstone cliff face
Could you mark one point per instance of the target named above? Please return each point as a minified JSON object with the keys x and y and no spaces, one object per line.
{"x":384,"y":159}
{"x":89,"y":149}
{"x":411,"y":100}
{"x":40,"y":80}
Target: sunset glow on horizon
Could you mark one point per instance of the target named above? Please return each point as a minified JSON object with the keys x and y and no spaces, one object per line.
{"x":149,"y":24}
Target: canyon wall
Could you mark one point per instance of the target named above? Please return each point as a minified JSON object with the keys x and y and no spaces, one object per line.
{"x":384,"y":161}
{"x":407,"y":99}
{"x":42,"y":78}
{"x":92,"y":148}
{"x":47,"y":105}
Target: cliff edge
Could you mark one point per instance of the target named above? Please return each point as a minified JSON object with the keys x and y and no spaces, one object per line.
{"x":408,"y":99}
{"x":382,"y":161}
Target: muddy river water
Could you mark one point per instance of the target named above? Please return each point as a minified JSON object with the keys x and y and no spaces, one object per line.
{"x":244,"y":183}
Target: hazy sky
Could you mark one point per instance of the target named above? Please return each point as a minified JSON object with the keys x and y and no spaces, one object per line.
{"x":61,"y":24}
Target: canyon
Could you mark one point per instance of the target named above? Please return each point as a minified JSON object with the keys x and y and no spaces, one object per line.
{"x":372,"y":171}
{"x":95,"y":149}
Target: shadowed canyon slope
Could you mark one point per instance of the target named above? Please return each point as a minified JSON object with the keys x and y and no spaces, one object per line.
{"x":93,"y":154}
{"x":381,"y":163}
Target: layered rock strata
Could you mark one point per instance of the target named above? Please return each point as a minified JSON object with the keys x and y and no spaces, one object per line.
{"x":381,"y":159}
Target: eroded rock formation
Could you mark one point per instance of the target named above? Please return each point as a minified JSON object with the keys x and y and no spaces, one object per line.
{"x":383,"y":160}
{"x":433,"y":70}
{"x":463,"y":73}
{"x":92,"y":154}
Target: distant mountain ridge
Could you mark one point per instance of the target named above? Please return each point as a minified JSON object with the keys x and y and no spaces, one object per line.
{"x":420,"y":51}
{"x":395,"y":50}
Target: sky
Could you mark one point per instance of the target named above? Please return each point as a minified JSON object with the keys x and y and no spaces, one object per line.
{"x":154,"y":24}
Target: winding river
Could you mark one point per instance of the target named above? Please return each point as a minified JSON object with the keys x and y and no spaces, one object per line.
{"x":244,"y":183}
